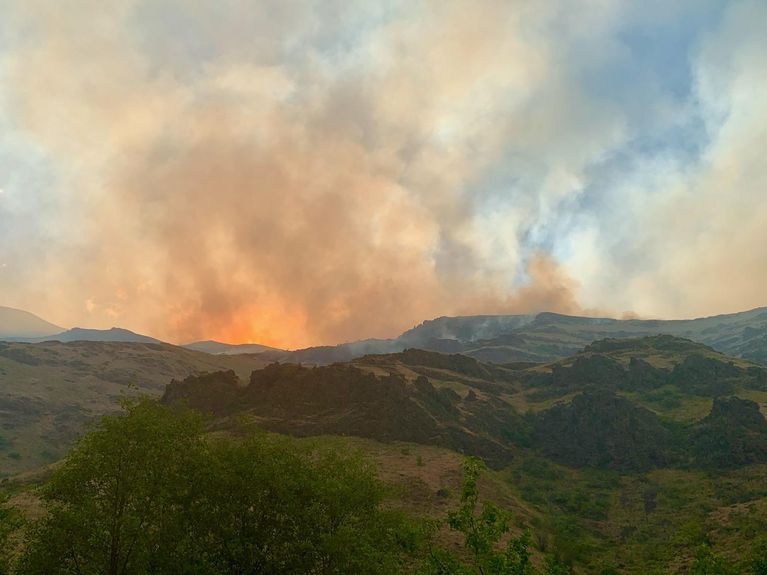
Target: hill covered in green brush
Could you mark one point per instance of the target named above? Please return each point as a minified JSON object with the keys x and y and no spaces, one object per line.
{"x":633,"y":456}
{"x":628,"y":404}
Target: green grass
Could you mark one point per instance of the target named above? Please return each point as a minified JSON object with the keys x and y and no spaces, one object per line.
{"x":759,"y":397}
{"x":670,"y":403}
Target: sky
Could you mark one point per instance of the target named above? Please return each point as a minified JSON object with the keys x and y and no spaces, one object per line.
{"x":297,"y":172}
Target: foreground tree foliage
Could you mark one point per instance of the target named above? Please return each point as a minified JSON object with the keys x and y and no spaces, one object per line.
{"x":148,"y":493}
{"x":113,"y":506}
{"x":272,"y":508}
{"x":151,"y":492}
{"x":484,"y":528}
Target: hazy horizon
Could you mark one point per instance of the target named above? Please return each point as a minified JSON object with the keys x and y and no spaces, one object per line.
{"x":374,"y":337}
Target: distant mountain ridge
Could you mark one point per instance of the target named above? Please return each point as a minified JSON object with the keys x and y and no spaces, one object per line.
{"x":21,"y":326}
{"x":548,"y":336}
{"x":115,"y":334}
{"x":500,"y":339}
{"x":466,"y":328}
{"x":220,"y":348}
{"x":20,"y":323}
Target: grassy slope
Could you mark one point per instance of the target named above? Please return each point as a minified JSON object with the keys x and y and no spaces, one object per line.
{"x":666,"y":401}
{"x":49,"y":391}
{"x":639,"y":524}
{"x":642,"y":523}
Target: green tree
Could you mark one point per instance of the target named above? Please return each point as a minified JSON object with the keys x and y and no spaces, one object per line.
{"x":269,"y":505}
{"x":484,"y":527}
{"x":113,"y":503}
{"x":150,"y":492}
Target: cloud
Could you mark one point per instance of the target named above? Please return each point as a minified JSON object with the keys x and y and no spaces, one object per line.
{"x":303,"y":172}
{"x":693,"y":233}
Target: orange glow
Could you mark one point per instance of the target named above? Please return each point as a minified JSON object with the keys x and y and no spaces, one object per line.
{"x":269,"y":323}
{"x":285,"y":330}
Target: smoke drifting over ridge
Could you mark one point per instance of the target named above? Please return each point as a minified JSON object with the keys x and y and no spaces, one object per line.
{"x":297,"y":173}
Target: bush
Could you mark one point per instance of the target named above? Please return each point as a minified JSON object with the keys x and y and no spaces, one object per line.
{"x":10,"y":522}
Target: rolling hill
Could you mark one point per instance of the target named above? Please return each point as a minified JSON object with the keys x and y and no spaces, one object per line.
{"x":114,"y":334}
{"x":626,"y":456}
{"x":549,"y":335}
{"x":628,"y":404}
{"x":50,"y":391}
{"x":16,"y":323}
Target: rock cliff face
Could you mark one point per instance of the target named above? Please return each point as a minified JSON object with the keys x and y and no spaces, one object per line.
{"x":213,"y":393}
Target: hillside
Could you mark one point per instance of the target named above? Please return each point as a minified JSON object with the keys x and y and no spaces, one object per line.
{"x":344,"y":400}
{"x":630,"y":404}
{"x":628,"y":454}
{"x":464,"y":329}
{"x":15,"y":323}
{"x":49,"y":391}
{"x":114,"y":334}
